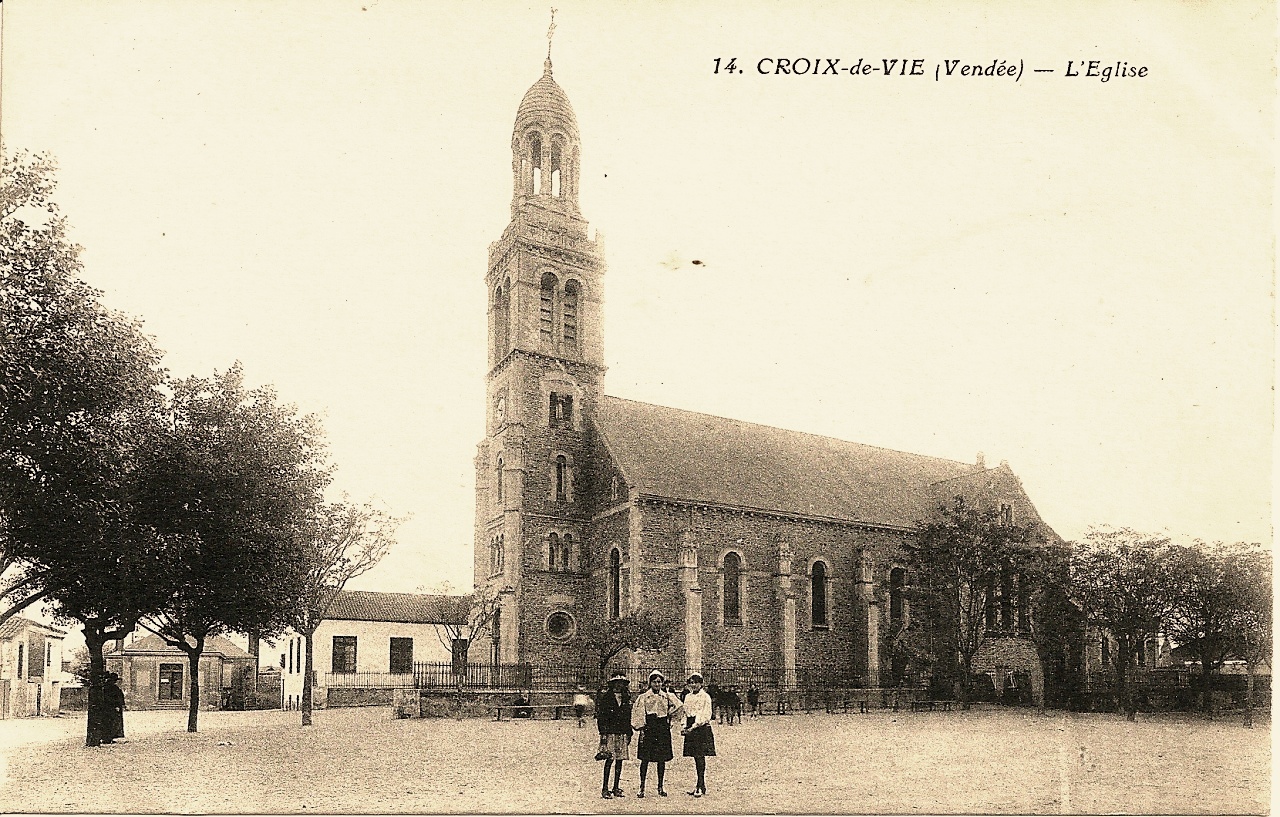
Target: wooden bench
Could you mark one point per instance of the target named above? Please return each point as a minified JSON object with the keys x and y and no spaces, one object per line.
{"x":844,"y":703}
{"x":556,"y":710}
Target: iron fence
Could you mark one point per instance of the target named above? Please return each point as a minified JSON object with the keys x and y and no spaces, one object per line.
{"x":553,"y":676}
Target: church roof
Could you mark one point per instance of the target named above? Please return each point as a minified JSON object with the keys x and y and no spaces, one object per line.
{"x":404,"y":608}
{"x":547,"y":104}
{"x":684,"y":455}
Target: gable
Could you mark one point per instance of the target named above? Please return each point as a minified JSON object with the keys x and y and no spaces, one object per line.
{"x":684,"y":455}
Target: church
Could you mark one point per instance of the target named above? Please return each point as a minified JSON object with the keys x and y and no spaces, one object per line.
{"x":760,"y":546}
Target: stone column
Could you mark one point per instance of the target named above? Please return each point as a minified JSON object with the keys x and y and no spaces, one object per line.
{"x":509,"y":643}
{"x":787,"y":597}
{"x":635,"y":554}
{"x":692,"y":602}
{"x":867,"y":593}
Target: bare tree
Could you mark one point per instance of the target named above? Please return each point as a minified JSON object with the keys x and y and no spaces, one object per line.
{"x":636,"y":631}
{"x":456,"y":636}
{"x":342,"y":540}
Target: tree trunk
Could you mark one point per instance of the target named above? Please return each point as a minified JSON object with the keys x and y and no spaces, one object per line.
{"x":193,"y":660}
{"x":307,"y":673}
{"x":1206,"y":675}
{"x":1248,"y":695}
{"x":966,"y":679}
{"x":1124,"y":694}
{"x":94,"y":640}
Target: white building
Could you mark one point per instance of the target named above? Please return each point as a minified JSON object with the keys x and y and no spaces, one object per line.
{"x":372,"y":641}
{"x":30,"y":668}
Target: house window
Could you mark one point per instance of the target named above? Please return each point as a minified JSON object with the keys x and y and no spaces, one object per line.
{"x":897,"y":579}
{"x":569,"y":317}
{"x":344,"y":653}
{"x":615,"y":583}
{"x":992,"y":605}
{"x":170,"y":684}
{"x":21,"y":654}
{"x":546,"y":308}
{"x":1024,"y":604}
{"x":401,"y":655}
{"x":291,"y":643}
{"x":818,"y":583}
{"x":1006,"y":513}
{"x":1006,"y":598}
{"x":562,"y":478}
{"x":732,"y":588}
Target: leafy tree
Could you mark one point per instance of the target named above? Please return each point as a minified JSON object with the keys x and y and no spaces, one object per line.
{"x":606,"y":637}
{"x":1250,"y":570}
{"x":340,"y":541}
{"x":959,"y":557}
{"x":1217,"y":594}
{"x":1121,"y":578}
{"x":229,"y":487}
{"x":78,"y":399}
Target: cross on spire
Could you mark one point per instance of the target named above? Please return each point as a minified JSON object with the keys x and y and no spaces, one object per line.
{"x":551,"y":30}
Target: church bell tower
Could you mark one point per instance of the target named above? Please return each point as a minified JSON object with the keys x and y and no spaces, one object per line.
{"x":545,"y":366}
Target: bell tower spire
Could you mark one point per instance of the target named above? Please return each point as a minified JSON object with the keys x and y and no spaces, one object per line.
{"x":545,"y":370}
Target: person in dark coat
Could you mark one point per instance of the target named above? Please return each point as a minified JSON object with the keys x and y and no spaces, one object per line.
{"x":113,"y":707}
{"x":613,"y":720}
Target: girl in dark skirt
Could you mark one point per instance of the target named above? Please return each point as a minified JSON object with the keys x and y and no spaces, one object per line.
{"x":699,"y":742}
{"x":651,"y":714}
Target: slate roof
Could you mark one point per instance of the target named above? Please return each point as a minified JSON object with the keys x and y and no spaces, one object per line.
{"x":215,"y":645}
{"x":684,"y":455}
{"x":405,"y":608}
{"x":15,"y":624}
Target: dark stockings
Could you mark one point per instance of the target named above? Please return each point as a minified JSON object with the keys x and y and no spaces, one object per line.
{"x":644,"y":773}
{"x":700,"y":763}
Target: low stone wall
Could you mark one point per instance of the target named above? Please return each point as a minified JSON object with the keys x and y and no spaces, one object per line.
{"x":360,"y":696}
{"x":414,"y":703}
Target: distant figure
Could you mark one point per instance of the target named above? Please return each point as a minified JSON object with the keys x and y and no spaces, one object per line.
{"x":580,"y":701}
{"x":713,"y":692}
{"x":733,"y":703}
{"x":753,"y":700}
{"x":113,"y":704}
{"x":613,"y":720}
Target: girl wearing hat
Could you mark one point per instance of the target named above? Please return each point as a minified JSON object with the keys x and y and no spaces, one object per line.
{"x":699,"y":743}
{"x":651,"y":714}
{"x":613,"y":719}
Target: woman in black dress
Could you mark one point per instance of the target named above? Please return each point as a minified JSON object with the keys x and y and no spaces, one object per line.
{"x":699,"y":742}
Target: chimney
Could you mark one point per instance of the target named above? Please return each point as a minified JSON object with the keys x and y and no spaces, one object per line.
{"x":982,"y":460}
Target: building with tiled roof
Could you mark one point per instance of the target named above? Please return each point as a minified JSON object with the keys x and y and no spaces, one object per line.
{"x":371,"y":641}
{"x":155,"y":675}
{"x":763,"y":547}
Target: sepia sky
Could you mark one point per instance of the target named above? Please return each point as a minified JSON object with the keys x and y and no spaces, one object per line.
{"x":1068,"y":274}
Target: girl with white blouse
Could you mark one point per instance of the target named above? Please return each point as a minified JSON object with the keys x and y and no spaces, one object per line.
{"x":699,"y":742}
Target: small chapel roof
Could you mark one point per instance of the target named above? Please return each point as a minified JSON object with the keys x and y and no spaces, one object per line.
{"x":684,"y":455}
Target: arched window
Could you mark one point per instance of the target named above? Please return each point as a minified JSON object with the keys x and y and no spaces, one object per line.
{"x":501,"y":312}
{"x":562,"y":478}
{"x":569,"y":315}
{"x":615,"y":489}
{"x":732,"y":594}
{"x":497,"y":480}
{"x":897,"y":579}
{"x":546,"y":307}
{"x":535,"y":159}
{"x":818,"y":593}
{"x":496,"y":555}
{"x":553,"y":551}
{"x":993,"y":604}
{"x":566,"y":548}
{"x":615,"y":583}
{"x":555,"y":168}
